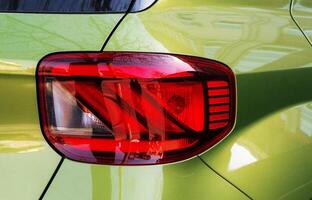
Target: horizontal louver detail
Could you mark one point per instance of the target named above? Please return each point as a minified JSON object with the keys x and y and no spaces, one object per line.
{"x":219,"y":104}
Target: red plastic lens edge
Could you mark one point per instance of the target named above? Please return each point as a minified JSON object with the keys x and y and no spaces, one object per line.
{"x":184,"y":135}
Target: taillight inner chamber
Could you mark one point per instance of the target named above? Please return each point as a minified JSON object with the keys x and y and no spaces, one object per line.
{"x":131,"y":108}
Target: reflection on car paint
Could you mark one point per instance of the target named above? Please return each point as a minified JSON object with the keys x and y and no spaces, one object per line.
{"x":154,"y":182}
{"x":298,"y":120}
{"x":241,"y":34}
{"x":128,"y":181}
{"x":9,"y":66}
{"x":20,"y":139}
{"x":240,"y":157}
{"x":306,"y":120}
{"x":72,"y":6}
{"x":302,"y":13}
{"x":295,"y":123}
{"x":25,"y":38}
{"x":247,"y":39}
{"x":43,"y":34}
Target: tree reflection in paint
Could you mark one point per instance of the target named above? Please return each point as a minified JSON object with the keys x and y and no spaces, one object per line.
{"x":65,"y":5}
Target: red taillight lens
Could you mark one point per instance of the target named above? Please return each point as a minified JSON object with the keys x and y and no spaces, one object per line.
{"x":128,"y":108}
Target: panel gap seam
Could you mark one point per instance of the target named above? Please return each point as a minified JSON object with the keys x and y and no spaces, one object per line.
{"x":228,"y":181}
{"x":117,"y":25}
{"x":52,"y":178}
{"x":291,"y":6}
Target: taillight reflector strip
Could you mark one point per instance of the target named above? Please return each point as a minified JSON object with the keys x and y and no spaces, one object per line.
{"x":218,"y":117}
{"x":131,"y":108}
{"x":217,"y":125}
{"x":219,"y":100}
{"x":217,"y":84}
{"x":218,"y":94}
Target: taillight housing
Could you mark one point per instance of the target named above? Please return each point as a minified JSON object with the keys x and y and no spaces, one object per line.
{"x":131,"y":108}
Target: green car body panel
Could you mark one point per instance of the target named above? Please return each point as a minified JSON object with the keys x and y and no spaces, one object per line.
{"x":267,"y":155}
{"x":186,"y":180}
{"x":27,"y":161}
{"x":302,"y":13}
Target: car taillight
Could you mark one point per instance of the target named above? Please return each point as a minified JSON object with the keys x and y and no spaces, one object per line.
{"x":130,"y":108}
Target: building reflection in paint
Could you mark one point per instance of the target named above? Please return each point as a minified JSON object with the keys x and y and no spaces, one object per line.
{"x":291,"y":128}
{"x":129,"y":181}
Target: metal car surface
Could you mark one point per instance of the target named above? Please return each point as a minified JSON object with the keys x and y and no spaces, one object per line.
{"x":268,"y":154}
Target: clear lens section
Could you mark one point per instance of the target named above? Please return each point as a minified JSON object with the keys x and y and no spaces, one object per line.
{"x":67,"y":114}
{"x":134,"y":108}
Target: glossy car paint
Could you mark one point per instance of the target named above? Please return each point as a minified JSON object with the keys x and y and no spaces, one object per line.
{"x":186,"y":180}
{"x":26,"y":161}
{"x":267,"y":156}
{"x":302,"y":13}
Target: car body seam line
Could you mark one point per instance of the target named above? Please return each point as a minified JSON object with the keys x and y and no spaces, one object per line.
{"x":291,"y":6}
{"x":52,"y":178}
{"x":228,"y":181}
{"x":102,"y":48}
{"x":117,"y":25}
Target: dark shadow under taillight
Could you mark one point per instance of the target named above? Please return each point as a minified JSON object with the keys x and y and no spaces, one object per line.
{"x":130,"y":108}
